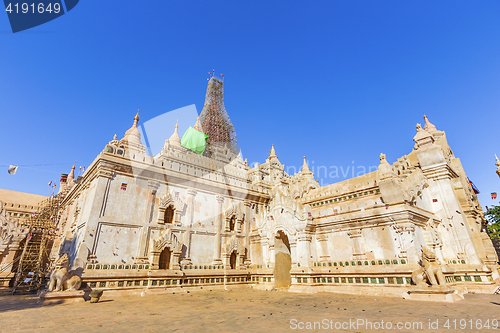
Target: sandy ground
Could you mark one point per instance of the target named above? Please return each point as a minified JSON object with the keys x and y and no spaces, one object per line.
{"x":250,"y":311}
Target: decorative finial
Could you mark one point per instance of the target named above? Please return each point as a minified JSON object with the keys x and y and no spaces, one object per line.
{"x":428,"y":125}
{"x":136,"y":118}
{"x":272,"y":153}
{"x":115,"y":137}
{"x":419,"y":127}
{"x":197,"y":125}
{"x":177,"y":124}
{"x":305,"y":167}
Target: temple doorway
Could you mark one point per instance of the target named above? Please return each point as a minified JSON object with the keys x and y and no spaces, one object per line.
{"x":232,"y":260}
{"x":165,"y":259}
{"x":282,"y":261}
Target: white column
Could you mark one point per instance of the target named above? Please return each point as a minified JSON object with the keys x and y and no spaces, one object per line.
{"x":218,"y":225}
{"x":248,"y":218}
{"x":142,"y":250}
{"x":188,"y":224}
{"x":303,"y":249}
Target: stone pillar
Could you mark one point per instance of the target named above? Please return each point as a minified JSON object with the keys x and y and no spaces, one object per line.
{"x":323,"y":247}
{"x":271,"y":258}
{"x":142,"y":250}
{"x":237,"y":227}
{"x":240,"y":263}
{"x":98,"y":204}
{"x":303,"y":249}
{"x":227,"y":263}
{"x":293,"y":251}
{"x":358,"y":250}
{"x":155,"y":259}
{"x":264,"y":244}
{"x":189,"y":223}
{"x":248,"y":218}
{"x":218,"y":225}
{"x":174,"y":260}
{"x":190,"y":207}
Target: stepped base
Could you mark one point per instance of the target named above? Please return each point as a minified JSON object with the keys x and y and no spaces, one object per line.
{"x":62,"y":296}
{"x":434,"y":294}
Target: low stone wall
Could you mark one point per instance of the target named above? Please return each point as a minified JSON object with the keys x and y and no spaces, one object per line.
{"x":385,"y":279}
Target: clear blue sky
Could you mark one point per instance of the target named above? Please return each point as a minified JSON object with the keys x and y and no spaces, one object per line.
{"x":337,"y":81}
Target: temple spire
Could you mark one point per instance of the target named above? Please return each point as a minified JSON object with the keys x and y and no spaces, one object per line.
{"x":272,"y":152}
{"x":429,"y":127}
{"x":132,"y":135}
{"x":305,"y":167}
{"x":197,"y":125}
{"x":423,"y":138}
{"x":175,"y":138}
{"x":215,"y":122}
{"x":70,"y":180}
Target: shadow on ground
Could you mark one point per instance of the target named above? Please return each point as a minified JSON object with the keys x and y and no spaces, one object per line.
{"x":22,"y":302}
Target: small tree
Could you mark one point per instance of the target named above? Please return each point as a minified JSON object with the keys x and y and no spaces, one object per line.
{"x":493,"y":216}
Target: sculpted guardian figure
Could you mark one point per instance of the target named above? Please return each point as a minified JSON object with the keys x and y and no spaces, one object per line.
{"x":430,"y":273}
{"x":62,"y":279}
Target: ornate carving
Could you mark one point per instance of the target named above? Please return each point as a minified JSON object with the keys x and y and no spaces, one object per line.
{"x":386,"y":171}
{"x":234,"y":245}
{"x":153,"y":185}
{"x":11,"y":231}
{"x":106,"y":173}
{"x":353,"y":233}
{"x":176,"y":203}
{"x":235,"y":210}
{"x":167,"y":239}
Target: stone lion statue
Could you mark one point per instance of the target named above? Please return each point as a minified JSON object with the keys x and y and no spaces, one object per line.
{"x":430,"y":272}
{"x":62,"y":279}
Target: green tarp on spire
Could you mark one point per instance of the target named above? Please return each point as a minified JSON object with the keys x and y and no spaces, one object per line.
{"x":194,"y":140}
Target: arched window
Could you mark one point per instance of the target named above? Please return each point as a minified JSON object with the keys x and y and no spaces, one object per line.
{"x":232,"y":222}
{"x":169,"y":215}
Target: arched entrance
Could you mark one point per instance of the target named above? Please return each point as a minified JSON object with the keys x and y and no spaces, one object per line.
{"x":165,"y":256}
{"x":282,"y":261}
{"x":232,"y":260}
